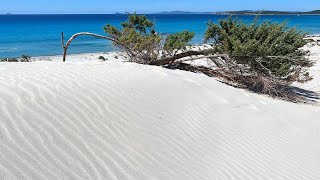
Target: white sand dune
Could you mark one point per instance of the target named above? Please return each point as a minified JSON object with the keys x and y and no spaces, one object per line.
{"x":111,"y":120}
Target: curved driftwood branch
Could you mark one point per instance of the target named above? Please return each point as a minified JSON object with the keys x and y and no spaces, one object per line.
{"x":65,"y":47}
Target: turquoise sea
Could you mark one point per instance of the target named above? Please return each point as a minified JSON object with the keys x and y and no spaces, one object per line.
{"x":38,"y":35}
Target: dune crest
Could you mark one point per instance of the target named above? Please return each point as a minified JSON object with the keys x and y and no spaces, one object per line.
{"x":98,"y":120}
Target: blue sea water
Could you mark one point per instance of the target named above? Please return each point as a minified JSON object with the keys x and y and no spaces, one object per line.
{"x":38,"y":35}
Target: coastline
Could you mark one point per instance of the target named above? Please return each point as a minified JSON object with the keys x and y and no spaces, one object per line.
{"x":117,"y":55}
{"x":37,"y":39}
{"x":94,"y":56}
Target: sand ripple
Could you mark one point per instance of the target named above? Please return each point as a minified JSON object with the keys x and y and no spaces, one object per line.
{"x":95,"y":120}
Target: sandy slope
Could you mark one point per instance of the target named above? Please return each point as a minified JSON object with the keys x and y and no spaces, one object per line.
{"x":99,"y":120}
{"x":313,"y":85}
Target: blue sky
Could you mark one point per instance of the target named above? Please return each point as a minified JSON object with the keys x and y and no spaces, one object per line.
{"x":149,"y":6}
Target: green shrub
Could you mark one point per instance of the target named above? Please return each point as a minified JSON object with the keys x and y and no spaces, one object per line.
{"x":265,"y":47}
{"x":138,"y":38}
{"x":9,"y":60}
{"x":25,"y":58}
{"x":178,"y":41}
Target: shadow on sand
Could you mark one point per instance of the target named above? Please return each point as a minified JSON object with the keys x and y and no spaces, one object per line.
{"x":285,"y":92}
{"x":307,"y":95}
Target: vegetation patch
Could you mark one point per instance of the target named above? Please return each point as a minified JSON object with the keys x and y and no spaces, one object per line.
{"x":24,"y":58}
{"x":263,"y":57}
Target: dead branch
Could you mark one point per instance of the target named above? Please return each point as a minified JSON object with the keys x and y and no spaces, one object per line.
{"x":65,"y":47}
{"x":203,"y":57}
{"x":167,"y":60}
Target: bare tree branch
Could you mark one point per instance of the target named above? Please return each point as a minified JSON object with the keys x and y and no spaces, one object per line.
{"x":167,"y":60}
{"x":65,"y":47}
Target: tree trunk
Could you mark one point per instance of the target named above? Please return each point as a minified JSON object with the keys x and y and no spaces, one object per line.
{"x":167,"y":60}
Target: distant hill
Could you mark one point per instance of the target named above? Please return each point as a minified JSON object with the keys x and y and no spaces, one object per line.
{"x":182,"y":12}
{"x":250,"y":12}
{"x":247,"y":12}
{"x":315,"y":12}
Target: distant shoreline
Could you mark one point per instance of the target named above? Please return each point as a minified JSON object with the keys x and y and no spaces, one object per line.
{"x":36,"y":38}
{"x":215,"y":14}
{"x":178,"y":12}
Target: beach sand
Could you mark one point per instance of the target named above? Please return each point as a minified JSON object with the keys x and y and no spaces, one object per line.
{"x":120,"y":120}
{"x":108,"y":56}
{"x":313,"y":85}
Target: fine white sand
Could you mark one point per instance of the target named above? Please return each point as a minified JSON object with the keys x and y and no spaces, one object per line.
{"x":313,"y":85}
{"x":120,"y":120}
{"x":108,"y":56}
